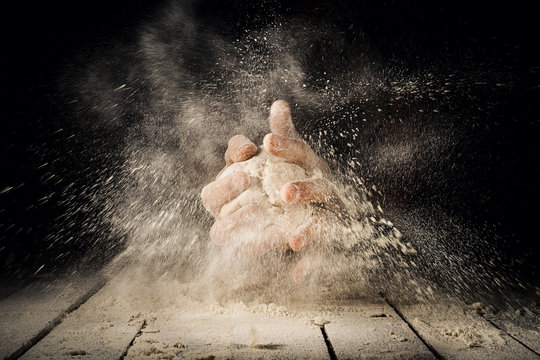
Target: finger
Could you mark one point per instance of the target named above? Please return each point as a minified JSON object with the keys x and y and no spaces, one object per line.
{"x":304,"y":235}
{"x":280,"y":119}
{"x":316,"y":190}
{"x":305,"y":266}
{"x":218,"y":193}
{"x":300,"y":271}
{"x":240,"y":148}
{"x":225,"y":229}
{"x":292,"y":150}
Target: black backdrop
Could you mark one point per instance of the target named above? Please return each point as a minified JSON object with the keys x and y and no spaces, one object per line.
{"x":499,"y":171}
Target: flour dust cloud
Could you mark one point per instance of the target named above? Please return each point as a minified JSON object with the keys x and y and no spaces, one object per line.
{"x":167,"y":101}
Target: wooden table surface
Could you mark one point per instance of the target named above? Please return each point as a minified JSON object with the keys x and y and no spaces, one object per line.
{"x":86,"y":317}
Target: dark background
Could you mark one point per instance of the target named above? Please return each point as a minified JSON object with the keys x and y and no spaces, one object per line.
{"x":498,"y":171}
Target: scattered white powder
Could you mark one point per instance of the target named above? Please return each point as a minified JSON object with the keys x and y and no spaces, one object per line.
{"x":355,"y":237}
{"x":472,"y":336}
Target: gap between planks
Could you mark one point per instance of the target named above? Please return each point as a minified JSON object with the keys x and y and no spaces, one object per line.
{"x":55,"y":322}
{"x":432,"y":348}
{"x":510,"y":335}
{"x":139,"y":333}
{"x":400,"y":314}
{"x":329,"y":346}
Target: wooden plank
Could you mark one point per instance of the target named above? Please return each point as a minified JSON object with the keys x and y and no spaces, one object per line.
{"x":368,"y":328}
{"x":101,"y":328}
{"x":522,"y":323}
{"x":29,"y":314}
{"x":457,"y":332}
{"x":149,"y":324}
{"x":174,"y":334}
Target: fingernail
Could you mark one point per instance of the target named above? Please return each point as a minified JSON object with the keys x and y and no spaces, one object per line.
{"x":243,"y":153}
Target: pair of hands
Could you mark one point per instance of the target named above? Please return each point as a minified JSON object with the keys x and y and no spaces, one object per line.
{"x":283,"y":142}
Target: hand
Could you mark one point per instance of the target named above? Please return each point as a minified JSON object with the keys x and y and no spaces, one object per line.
{"x":283,"y":142}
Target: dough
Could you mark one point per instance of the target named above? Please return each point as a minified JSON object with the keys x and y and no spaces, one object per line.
{"x":267,"y":174}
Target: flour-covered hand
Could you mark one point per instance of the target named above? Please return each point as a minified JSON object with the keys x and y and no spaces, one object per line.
{"x":285,"y":143}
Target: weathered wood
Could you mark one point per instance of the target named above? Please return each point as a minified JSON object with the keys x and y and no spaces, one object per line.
{"x":522,"y":323}
{"x":133,"y":322}
{"x":101,"y":328}
{"x":29,"y":314}
{"x":368,"y":328}
{"x":457,"y":332}
{"x":245,"y":336}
